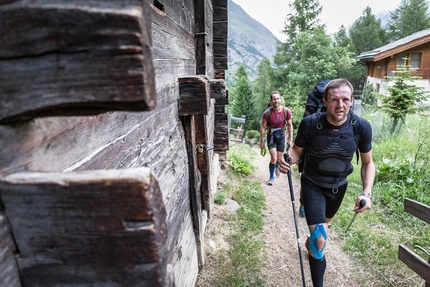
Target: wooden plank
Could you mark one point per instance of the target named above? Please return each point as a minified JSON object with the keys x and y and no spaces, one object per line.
{"x":209,"y":40}
{"x":417,"y":209}
{"x":221,"y":63}
{"x":8,"y":268}
{"x":221,"y":140}
{"x":220,"y":30}
{"x":195,"y":196}
{"x":218,"y":89}
{"x":180,"y":12}
{"x":219,"y":73}
{"x":219,"y":3}
{"x":220,"y":49}
{"x":220,"y":109}
{"x":415,"y":262}
{"x":220,"y":13}
{"x":204,"y":126}
{"x":70,"y":69}
{"x":200,"y":36}
{"x":238,"y":120}
{"x":94,"y":227}
{"x":173,"y":41}
{"x":237,"y":132}
{"x":194,"y":95}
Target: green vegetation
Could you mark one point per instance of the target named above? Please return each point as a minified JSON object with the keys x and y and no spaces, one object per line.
{"x":402,"y":172}
{"x":242,"y":262}
{"x":404,"y":98}
{"x":409,"y":17}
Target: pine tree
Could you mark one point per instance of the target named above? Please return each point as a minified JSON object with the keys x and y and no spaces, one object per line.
{"x":367,"y":33}
{"x":411,"y":16}
{"x":243,"y":101}
{"x":404,"y":97}
{"x":304,"y":16}
{"x":262,"y":87}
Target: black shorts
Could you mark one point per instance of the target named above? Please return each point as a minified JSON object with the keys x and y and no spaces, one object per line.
{"x":320,"y":202}
{"x":271,"y":143}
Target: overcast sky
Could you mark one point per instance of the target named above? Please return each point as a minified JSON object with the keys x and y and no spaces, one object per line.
{"x":272,"y":13}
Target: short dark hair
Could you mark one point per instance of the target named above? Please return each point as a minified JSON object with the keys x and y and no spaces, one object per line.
{"x":274,"y":92}
{"x":337,"y":83}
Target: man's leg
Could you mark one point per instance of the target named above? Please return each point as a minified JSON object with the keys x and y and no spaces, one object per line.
{"x":280,"y":149}
{"x":315,"y":204}
{"x":302,"y":207}
{"x":272,"y":165}
{"x":317,"y":262}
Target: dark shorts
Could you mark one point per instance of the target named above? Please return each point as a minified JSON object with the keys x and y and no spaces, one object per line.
{"x":320,"y":202}
{"x":271,"y":143}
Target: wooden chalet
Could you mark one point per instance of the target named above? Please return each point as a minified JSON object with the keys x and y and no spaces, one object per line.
{"x":382,"y":61}
{"x":112,"y":123}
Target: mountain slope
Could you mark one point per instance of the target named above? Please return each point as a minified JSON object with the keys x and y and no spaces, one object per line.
{"x":248,"y":41}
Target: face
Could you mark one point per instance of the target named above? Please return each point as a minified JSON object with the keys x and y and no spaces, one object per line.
{"x":338,"y":102}
{"x":276,"y":100}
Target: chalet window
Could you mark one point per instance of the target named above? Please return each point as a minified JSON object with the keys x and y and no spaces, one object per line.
{"x":413,"y":60}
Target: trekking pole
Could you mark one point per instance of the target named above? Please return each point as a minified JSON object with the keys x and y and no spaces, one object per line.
{"x":290,"y":182}
{"x":362,"y":203}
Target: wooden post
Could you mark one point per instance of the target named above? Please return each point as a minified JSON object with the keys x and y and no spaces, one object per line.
{"x":410,"y":258}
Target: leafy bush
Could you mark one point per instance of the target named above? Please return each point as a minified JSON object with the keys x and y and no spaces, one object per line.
{"x":241,"y":157}
{"x":253,"y":134}
{"x":368,"y":98}
{"x":220,"y":197}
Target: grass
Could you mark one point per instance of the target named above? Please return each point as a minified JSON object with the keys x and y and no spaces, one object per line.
{"x":375,"y":236}
{"x":241,"y":263}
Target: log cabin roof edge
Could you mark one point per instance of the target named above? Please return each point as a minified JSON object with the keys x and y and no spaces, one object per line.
{"x":395,"y":47}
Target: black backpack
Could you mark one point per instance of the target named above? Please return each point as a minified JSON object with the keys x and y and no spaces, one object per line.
{"x":314,"y":102}
{"x":315,"y":107}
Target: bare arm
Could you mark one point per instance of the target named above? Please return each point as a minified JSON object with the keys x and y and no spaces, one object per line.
{"x":290,"y":132}
{"x":367,"y":178}
{"x":262,"y":133}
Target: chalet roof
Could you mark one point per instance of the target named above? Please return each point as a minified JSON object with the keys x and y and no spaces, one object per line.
{"x":409,"y":42}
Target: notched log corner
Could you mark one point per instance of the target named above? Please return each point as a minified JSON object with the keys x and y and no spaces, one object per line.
{"x":105,"y":225}
{"x":71,"y":60}
{"x":194,"y":95}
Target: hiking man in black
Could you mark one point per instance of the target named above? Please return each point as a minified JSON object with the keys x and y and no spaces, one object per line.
{"x":274,"y":120}
{"x":329,"y":153}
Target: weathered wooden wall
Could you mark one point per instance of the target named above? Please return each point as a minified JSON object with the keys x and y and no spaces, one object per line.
{"x":94,"y":87}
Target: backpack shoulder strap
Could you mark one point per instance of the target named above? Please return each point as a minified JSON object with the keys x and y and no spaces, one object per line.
{"x":269,"y":116}
{"x":286,"y":110}
{"x":356,"y":126}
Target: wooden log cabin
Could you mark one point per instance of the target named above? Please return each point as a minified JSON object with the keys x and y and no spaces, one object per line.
{"x":112,"y":123}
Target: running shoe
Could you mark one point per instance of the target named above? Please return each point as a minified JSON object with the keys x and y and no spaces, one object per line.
{"x":270,"y":181}
{"x":302,"y":210}
{"x":277,"y":172}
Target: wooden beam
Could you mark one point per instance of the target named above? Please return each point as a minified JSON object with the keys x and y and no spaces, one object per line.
{"x":415,"y":262}
{"x":9,"y":271}
{"x":96,"y":227}
{"x":417,"y":209}
{"x":195,"y":181}
{"x":194,"y":95}
{"x":67,"y":59}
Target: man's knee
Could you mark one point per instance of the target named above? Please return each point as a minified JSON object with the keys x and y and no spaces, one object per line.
{"x":317,"y":241}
